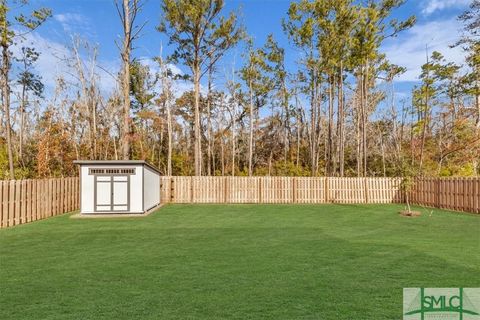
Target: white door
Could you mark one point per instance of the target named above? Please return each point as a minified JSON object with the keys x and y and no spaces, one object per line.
{"x":112,"y":193}
{"x":103,"y":193}
{"x":120,"y":193}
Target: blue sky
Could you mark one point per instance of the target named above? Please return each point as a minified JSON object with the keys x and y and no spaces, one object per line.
{"x":97,"y":21}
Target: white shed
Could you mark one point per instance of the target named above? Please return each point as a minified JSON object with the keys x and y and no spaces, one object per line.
{"x":118,"y":186}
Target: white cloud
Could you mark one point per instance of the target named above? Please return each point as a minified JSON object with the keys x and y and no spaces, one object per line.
{"x":72,"y":22}
{"x":69,"y":17}
{"x":154,"y":67}
{"x":48,"y":64}
{"x":431,"y":6}
{"x":54,"y":61}
{"x":409,"y":49}
{"x":179,"y":86}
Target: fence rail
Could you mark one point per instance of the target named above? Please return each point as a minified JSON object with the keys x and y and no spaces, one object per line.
{"x":23,"y":201}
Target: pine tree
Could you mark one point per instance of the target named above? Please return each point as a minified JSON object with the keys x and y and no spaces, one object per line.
{"x":201,"y":36}
{"x":9,"y":34}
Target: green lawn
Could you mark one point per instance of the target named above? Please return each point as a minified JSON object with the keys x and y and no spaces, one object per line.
{"x":235,"y":262}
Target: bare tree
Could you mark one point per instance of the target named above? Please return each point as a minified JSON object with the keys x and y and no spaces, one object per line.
{"x":89,"y":96}
{"x":167,"y":97}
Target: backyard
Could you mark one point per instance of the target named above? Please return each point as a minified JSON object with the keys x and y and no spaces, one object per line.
{"x":236,"y":262}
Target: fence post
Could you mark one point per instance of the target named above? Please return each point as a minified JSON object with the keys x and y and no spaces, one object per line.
{"x":1,"y":204}
{"x":22,"y":201}
{"x":294,"y":190}
{"x":260,"y":190}
{"x":191,"y":189}
{"x":365,"y":189}
{"x":18,"y":199}
{"x":28,"y":199}
{"x":325,"y":189}
{"x":224,"y":189}
{"x":474,"y":195}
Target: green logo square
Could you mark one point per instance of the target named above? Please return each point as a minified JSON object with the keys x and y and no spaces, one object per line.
{"x":441,"y":303}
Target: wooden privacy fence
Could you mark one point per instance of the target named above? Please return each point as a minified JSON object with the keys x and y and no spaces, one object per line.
{"x":280,"y":190}
{"x":23,"y":201}
{"x":460,"y":194}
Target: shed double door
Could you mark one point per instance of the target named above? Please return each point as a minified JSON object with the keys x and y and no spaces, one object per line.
{"x":112,"y":193}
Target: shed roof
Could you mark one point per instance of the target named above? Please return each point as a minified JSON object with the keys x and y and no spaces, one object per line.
{"x":116,"y":162}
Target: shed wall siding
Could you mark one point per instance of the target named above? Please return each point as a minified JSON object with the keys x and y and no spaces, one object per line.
{"x":87,"y":191}
{"x":136,"y":181}
{"x":151,"y":188}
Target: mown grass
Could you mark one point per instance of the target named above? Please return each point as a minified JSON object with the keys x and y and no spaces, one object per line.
{"x":235,"y":262}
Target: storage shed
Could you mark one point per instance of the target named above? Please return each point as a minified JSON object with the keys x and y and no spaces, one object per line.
{"x":118,"y":186}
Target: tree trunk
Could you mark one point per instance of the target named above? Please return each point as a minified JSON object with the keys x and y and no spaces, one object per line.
{"x":407,"y":201}
{"x":209,"y":122}
{"x":329,"y":149}
{"x":6,"y":101}
{"x":126,"y":81}
{"x":425,"y":121}
{"x":250,"y":140}
{"x":358,"y":114}
{"x":299,"y":126}
{"x":383,"y":157}
{"x":477,"y":104}
{"x":315,"y":123}
{"x":93,"y":127}
{"x":424,"y":131}
{"x":311,"y":132}
{"x":222,"y":155}
{"x":198,"y":141}
{"x":23,"y":103}
{"x":169,"y":129}
{"x":340,"y":124}
{"x":313,"y":138}
{"x":114,"y":149}
{"x":270,"y":163}
{"x":233,"y":145}
{"x":286,"y":124}
{"x":94,"y":115}
{"x":364,"y":120}
{"x":412,"y":153}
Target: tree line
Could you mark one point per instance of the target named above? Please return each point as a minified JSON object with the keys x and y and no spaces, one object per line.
{"x":336,"y":114}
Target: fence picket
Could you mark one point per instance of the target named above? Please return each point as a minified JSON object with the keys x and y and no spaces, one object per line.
{"x":23,"y":202}
{"x":3,"y":199}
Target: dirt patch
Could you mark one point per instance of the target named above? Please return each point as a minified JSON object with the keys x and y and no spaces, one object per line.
{"x":411,"y":213}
